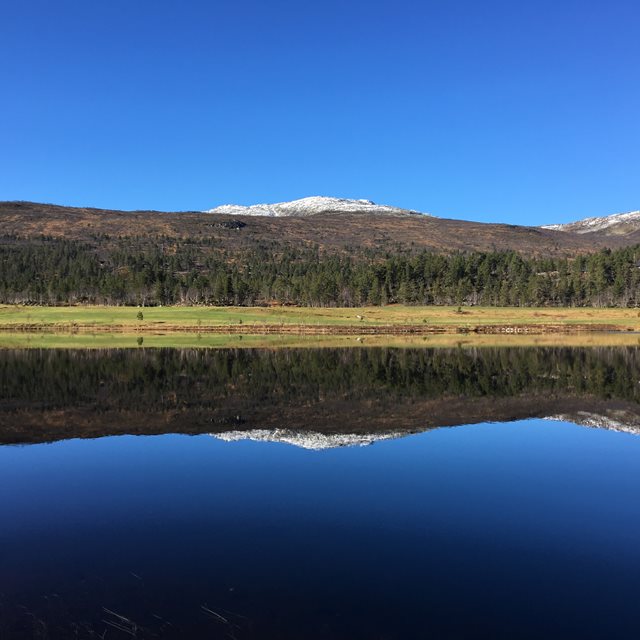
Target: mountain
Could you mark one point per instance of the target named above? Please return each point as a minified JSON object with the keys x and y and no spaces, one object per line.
{"x":312,"y":206}
{"x":619,"y":224}
{"x":333,"y":225}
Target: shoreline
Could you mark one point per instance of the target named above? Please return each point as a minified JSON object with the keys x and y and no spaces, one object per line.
{"x":290,"y":322}
{"x":192,"y":340}
{"x":285,"y":329}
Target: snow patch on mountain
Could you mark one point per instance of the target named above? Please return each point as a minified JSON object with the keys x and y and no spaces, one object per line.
{"x":308,"y":439}
{"x":590,"y":225}
{"x":311,"y":206}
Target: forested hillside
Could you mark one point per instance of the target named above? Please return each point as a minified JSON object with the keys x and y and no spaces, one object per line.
{"x":141,"y":271}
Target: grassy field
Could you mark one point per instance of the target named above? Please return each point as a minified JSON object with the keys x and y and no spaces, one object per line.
{"x":123,"y":340}
{"x":155,"y":317}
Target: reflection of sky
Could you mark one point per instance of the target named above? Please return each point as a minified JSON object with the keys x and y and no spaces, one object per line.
{"x":448,"y":512}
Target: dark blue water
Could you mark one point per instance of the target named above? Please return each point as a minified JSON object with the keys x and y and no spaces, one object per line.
{"x":519,"y":530}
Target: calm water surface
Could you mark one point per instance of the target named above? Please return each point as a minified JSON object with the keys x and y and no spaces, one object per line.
{"x":523,"y":528}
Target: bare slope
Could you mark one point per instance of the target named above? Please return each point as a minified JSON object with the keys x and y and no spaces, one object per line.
{"x":331,"y":230}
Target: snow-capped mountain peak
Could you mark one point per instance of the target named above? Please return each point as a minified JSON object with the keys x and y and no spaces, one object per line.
{"x":618,"y":223}
{"x":311,"y":206}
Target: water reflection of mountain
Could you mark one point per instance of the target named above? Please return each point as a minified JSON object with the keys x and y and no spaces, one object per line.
{"x":359,"y":394}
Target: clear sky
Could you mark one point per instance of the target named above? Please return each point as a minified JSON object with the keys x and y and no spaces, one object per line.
{"x":512,"y":111}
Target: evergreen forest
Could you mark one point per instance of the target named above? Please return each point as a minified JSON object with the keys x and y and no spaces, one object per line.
{"x":139,"y":271}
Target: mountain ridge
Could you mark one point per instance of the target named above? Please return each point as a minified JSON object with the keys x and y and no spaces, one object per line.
{"x":351,"y":228}
{"x":613,"y":224}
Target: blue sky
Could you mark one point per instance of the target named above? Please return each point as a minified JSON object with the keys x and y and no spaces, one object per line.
{"x":520,"y":112}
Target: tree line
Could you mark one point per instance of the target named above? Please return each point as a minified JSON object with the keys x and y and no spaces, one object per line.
{"x":139,"y":271}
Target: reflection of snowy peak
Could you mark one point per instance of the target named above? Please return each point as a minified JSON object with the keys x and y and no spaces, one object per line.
{"x":309,"y":439}
{"x":617,"y":224}
{"x":311,"y":206}
{"x":318,"y":441}
{"x":598,"y":421}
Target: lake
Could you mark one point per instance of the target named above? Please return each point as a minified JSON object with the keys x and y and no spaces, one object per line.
{"x":320,"y":493}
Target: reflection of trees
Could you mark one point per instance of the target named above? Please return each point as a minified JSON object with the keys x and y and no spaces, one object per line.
{"x":153,"y":379}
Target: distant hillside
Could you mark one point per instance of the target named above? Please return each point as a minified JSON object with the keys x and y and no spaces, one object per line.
{"x":350,"y":227}
{"x":314,"y":252}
